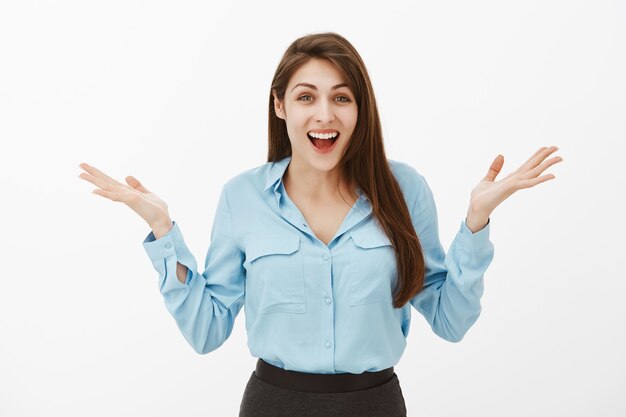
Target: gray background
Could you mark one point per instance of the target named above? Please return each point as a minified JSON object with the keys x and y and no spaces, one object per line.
{"x":176,"y":94}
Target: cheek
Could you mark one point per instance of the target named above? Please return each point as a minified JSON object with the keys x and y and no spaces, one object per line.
{"x":299,"y":123}
{"x":297,"y":135}
{"x":349,"y":115}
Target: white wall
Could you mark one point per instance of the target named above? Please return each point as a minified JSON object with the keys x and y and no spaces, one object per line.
{"x":176,"y":93}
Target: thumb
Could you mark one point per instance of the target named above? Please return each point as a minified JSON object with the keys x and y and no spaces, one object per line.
{"x":134,"y":182}
{"x":495,"y":168}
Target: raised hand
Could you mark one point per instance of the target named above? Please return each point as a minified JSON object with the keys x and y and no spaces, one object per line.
{"x":488,"y":194}
{"x":144,"y":202}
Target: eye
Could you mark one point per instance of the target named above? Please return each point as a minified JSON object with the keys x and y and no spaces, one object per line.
{"x":343,"y":99}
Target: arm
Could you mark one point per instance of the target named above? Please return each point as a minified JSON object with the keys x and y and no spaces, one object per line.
{"x":160,"y":231}
{"x":453,"y":282}
{"x":204,"y":305}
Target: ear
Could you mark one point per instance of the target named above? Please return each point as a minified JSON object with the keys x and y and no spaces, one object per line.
{"x":278,"y":106}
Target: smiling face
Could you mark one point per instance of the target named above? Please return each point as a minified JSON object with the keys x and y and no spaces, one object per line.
{"x":319,"y":102}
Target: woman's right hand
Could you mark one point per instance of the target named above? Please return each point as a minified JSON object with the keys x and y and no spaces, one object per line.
{"x":144,"y":202}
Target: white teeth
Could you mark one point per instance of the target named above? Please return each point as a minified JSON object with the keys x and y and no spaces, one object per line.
{"x":323,"y":135}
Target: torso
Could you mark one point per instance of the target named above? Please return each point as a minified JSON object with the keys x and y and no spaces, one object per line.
{"x":324,"y":217}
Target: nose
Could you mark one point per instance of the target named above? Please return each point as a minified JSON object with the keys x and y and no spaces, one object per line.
{"x":324,"y":112}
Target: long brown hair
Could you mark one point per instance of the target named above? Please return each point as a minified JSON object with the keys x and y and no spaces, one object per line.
{"x":364,"y":161}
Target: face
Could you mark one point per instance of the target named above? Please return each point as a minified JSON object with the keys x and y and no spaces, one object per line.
{"x":322,"y":106}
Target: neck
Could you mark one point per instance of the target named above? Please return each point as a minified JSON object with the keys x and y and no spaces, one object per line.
{"x":317,"y":185}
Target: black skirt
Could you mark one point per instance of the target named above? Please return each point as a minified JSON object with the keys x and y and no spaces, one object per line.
{"x":275,"y":392}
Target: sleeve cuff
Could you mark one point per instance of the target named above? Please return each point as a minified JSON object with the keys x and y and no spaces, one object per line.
{"x":172,"y":244}
{"x":158,"y":249}
{"x":474,"y":241}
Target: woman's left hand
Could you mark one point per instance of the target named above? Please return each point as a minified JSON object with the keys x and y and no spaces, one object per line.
{"x":488,"y":194}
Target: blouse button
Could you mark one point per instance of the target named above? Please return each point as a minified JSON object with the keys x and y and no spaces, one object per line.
{"x":325,"y":257}
{"x":327,"y":344}
{"x":327,"y":300}
{"x":168,"y":245}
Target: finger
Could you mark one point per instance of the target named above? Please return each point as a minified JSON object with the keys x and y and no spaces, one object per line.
{"x":97,"y":173}
{"x":528,"y":161}
{"x":108,"y":194}
{"x":495,"y":168}
{"x":536,"y":159}
{"x":134,"y":182}
{"x":542,"y":156}
{"x":96,"y":181}
{"x":542,"y":167}
{"x":534,"y":181}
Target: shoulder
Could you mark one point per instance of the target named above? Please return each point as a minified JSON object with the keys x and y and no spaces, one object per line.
{"x":411,"y":181}
{"x":403,"y":170}
{"x":248,"y":182}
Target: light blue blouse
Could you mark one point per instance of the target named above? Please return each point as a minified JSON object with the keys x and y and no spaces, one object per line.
{"x":312,"y":307}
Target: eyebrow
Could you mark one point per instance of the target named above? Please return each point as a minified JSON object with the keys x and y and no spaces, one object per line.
{"x":311,"y":86}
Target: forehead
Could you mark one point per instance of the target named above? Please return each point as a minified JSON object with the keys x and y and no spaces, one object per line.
{"x":319,"y":72}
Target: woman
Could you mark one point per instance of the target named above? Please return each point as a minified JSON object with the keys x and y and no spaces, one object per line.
{"x":328,"y":245}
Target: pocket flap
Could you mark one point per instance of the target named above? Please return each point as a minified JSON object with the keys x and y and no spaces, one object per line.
{"x":272,"y":245}
{"x":369,"y":237}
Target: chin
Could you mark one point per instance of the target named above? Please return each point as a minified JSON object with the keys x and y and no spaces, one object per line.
{"x":324,"y":162}
{"x":319,"y":161}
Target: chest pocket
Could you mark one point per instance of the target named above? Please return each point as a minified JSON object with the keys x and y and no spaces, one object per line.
{"x":275,"y":274}
{"x":373,"y":267}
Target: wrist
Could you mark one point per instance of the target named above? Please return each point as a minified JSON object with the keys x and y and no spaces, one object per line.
{"x":476,"y":220}
{"x":162,"y":228}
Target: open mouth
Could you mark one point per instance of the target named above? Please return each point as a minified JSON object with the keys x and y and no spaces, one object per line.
{"x":323,"y":144}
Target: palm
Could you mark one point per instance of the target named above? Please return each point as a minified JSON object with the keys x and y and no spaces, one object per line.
{"x":488,"y":194}
{"x":144,"y":202}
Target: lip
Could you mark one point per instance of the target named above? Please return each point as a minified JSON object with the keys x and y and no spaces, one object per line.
{"x":324,"y":151}
{"x":323,"y":131}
